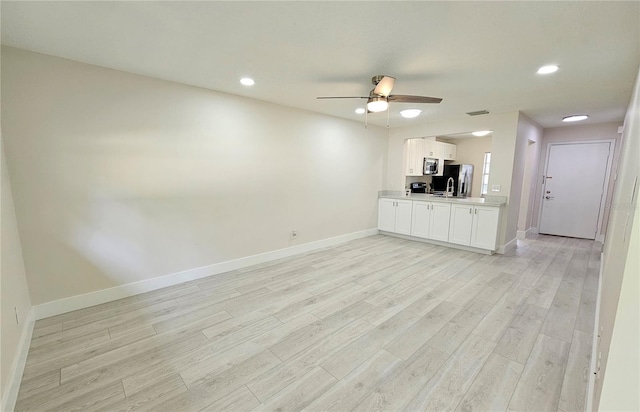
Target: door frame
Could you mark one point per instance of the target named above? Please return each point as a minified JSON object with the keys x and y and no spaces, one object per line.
{"x":607,"y":177}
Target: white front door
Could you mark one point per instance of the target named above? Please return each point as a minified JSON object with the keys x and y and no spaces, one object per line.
{"x":574,"y":188}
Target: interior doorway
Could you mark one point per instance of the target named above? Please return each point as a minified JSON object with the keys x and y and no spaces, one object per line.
{"x":575,"y":177}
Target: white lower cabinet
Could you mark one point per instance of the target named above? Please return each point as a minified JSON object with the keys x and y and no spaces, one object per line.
{"x":395,"y":215}
{"x":484,"y":231}
{"x":458,"y":223}
{"x":430,"y":220}
{"x":475,"y":226}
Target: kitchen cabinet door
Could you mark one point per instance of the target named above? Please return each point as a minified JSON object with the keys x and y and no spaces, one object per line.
{"x":439,"y":219}
{"x":460,"y":224}
{"x":420,"y":219}
{"x":409,"y":164}
{"x":448,"y":151}
{"x":432,"y":149}
{"x":484,"y":232}
{"x":414,"y":157}
{"x":403,"y":216}
{"x":387,"y":215}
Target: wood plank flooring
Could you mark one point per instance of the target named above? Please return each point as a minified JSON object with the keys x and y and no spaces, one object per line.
{"x":376,"y":324}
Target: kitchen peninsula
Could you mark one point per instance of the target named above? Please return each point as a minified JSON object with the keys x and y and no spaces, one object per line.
{"x":464,"y":223}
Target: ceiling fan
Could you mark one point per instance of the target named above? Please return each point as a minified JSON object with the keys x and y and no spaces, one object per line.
{"x":379,"y":98}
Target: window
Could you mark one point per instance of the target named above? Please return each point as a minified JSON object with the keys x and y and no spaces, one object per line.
{"x":485,"y":174}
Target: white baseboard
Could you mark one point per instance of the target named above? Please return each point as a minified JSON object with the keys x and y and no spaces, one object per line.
{"x":522,"y":234}
{"x":439,"y":243}
{"x":86,"y":300}
{"x":595,"y":345}
{"x":507,"y":246}
{"x":17,"y":368}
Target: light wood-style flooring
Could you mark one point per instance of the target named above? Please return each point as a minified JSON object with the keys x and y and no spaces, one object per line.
{"x":378,"y":323}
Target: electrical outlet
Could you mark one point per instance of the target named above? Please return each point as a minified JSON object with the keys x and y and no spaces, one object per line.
{"x":294,"y":234}
{"x":15,"y":310}
{"x":495,"y":188}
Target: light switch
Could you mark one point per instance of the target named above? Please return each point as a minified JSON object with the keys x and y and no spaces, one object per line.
{"x":495,"y":188}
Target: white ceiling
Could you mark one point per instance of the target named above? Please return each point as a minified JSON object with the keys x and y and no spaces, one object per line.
{"x":475,"y":55}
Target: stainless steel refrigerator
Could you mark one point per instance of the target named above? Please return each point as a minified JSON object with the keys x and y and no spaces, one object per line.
{"x":462,"y":178}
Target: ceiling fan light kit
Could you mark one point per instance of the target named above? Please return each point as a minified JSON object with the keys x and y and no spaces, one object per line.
{"x":380,"y":97}
{"x":377,"y":104}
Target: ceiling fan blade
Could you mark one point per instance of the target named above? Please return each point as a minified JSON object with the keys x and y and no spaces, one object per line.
{"x":384,"y":86}
{"x":342,"y":97}
{"x":403,"y":98}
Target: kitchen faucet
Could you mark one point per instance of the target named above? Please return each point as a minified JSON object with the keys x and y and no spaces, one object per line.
{"x":450,"y":187}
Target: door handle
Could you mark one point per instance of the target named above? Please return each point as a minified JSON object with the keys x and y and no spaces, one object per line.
{"x":469,"y":210}
{"x":548,"y":197}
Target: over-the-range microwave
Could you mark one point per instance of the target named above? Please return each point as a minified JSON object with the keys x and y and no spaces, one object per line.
{"x":430,"y":166}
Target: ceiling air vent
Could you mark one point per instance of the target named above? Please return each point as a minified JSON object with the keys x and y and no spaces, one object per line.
{"x":478,"y":113}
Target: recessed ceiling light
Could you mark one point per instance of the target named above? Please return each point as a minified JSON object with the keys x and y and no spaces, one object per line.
{"x":410,"y":113}
{"x":247,"y":81}
{"x":548,"y":69}
{"x":481,"y":133}
{"x":575,"y":118}
{"x":360,"y":110}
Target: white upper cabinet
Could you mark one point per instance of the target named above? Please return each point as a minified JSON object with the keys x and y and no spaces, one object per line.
{"x":417,"y":149}
{"x":432,"y":149}
{"x":448,"y":151}
{"x":414,"y":157}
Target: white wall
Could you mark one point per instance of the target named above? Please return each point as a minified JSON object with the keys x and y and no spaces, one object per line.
{"x":14,"y":294}
{"x":470,"y":151}
{"x":575,"y":134}
{"x":526,"y":202}
{"x":619,"y":314}
{"x":120,"y":178}
{"x":524,"y":158}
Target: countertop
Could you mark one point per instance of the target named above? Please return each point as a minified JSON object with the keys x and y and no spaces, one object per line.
{"x":487,"y":201}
